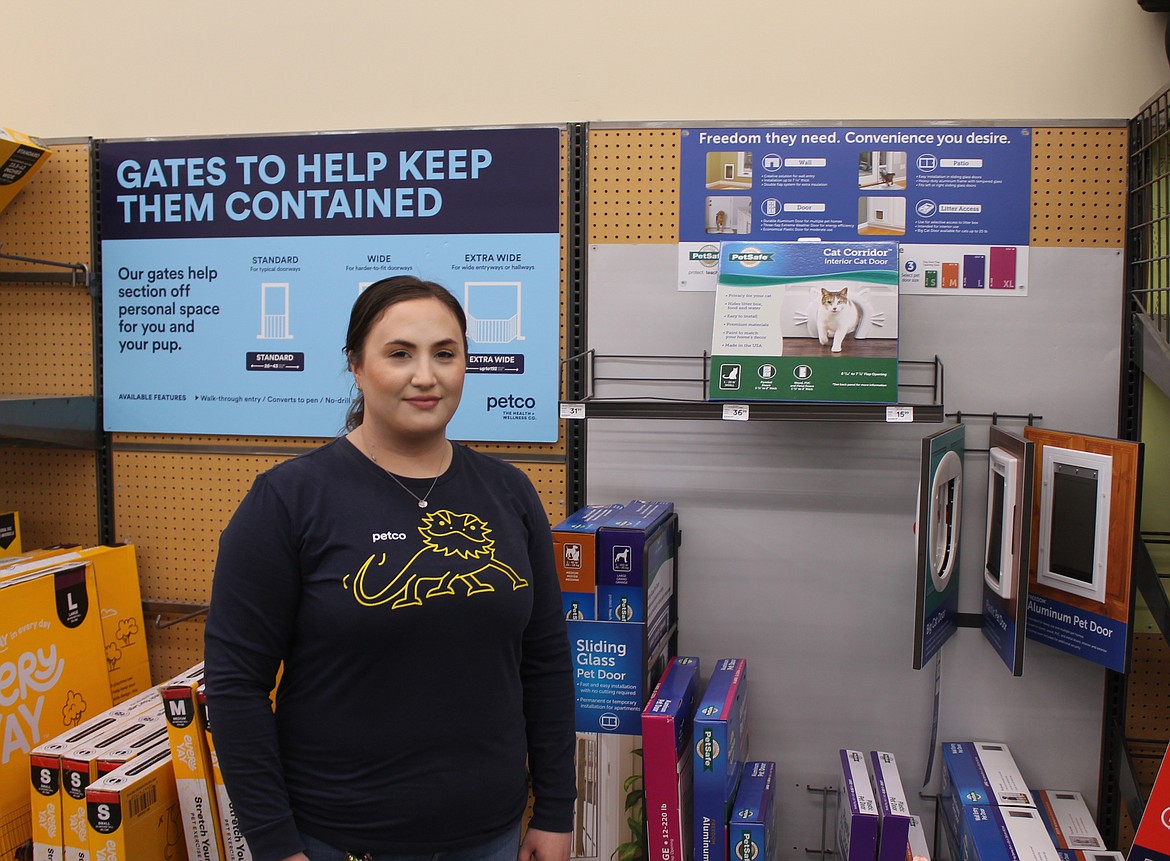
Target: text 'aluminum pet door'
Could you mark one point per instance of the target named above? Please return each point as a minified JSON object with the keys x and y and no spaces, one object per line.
{"x":274,"y":311}
{"x":493,"y":311}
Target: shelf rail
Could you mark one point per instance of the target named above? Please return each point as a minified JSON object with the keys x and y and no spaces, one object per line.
{"x":675,"y":387}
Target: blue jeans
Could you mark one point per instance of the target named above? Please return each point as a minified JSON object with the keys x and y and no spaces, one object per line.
{"x":503,"y":848}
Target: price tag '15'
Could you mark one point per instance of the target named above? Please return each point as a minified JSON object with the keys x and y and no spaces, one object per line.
{"x":899,"y":414}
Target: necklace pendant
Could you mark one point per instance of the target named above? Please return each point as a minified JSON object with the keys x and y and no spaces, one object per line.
{"x":422,"y":503}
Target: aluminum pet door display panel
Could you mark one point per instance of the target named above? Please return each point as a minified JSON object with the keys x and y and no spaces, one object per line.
{"x":940,"y":510}
{"x":1007,"y":545}
{"x":1083,"y":521}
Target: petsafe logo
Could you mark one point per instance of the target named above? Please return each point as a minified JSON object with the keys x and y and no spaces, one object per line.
{"x":750,"y":257}
{"x":707,"y":256}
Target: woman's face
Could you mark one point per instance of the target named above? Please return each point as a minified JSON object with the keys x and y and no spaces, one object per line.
{"x":411,"y":370}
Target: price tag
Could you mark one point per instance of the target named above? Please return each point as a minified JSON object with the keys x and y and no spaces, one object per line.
{"x":735,"y":412}
{"x":899,"y":414}
{"x":572,"y":411}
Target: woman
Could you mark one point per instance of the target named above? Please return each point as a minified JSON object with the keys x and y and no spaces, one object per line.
{"x":407,"y":585}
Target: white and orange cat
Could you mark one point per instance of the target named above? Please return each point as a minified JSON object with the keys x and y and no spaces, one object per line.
{"x":837,"y":316}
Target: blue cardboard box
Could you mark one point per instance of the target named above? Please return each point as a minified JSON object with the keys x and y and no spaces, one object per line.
{"x":636,"y":551}
{"x":575,"y":546}
{"x":719,"y":751}
{"x":752,"y":825}
{"x":615,"y":667}
{"x":979,"y":772}
{"x":991,"y":833}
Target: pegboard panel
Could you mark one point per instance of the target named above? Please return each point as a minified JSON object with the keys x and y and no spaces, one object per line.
{"x":172,"y":507}
{"x":55,"y":491}
{"x":46,"y":340}
{"x":1078,"y":187}
{"x":633,"y":185}
{"x":173,"y":645}
{"x":51,"y":218}
{"x":1147,"y":713}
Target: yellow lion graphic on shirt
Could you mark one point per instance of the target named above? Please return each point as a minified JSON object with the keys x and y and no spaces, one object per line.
{"x":462,"y":540}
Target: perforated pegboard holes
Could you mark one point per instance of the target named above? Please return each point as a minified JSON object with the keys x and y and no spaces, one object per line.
{"x":633,"y":185}
{"x":1079,"y":187}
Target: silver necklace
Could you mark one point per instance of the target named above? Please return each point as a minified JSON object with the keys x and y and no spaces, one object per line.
{"x":421,"y":500}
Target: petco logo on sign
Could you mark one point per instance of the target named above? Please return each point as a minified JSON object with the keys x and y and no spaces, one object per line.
{"x":621,"y":558}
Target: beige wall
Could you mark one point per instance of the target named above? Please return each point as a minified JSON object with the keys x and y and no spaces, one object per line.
{"x":136,"y":68}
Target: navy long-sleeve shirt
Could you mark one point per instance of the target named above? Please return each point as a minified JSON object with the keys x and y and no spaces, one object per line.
{"x":426,"y":668}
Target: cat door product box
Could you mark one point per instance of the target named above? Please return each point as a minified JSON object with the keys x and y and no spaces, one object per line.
{"x":857,"y":810}
{"x":806,"y":322}
{"x":751,"y":828}
{"x":893,"y":807}
{"x":21,"y":157}
{"x":979,"y":772}
{"x":667,"y":726}
{"x":10,"y":534}
{"x":991,"y":833}
{"x":1069,"y":822}
{"x":719,"y":749}
{"x":133,"y":812}
{"x":1075,"y":497}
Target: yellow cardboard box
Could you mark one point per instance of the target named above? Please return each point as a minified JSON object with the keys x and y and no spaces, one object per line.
{"x":79,"y":769}
{"x":133,"y":811}
{"x":192,"y":768}
{"x":10,"y":534}
{"x":120,"y":599}
{"x":52,"y":676}
{"x":21,"y":156}
{"x":45,"y":761}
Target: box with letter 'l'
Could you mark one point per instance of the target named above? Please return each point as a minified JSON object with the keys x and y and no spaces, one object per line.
{"x":52,"y":675}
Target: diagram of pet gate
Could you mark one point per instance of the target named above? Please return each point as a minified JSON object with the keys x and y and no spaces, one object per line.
{"x":274,"y":311}
{"x":493,"y":311}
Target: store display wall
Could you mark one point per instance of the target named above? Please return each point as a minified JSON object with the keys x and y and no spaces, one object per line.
{"x":798,"y":541}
